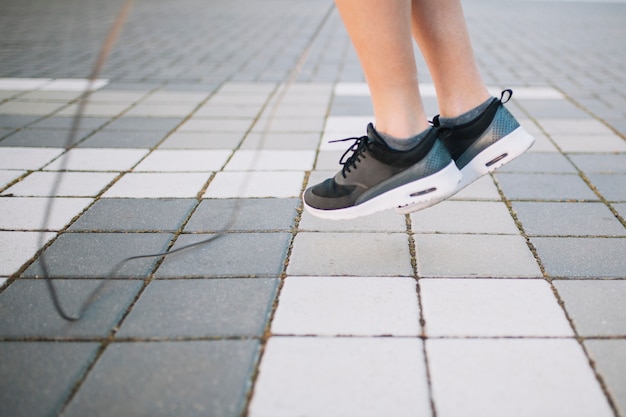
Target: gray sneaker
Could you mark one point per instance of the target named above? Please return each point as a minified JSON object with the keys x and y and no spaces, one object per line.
{"x":482,"y":145}
{"x":375,"y":177}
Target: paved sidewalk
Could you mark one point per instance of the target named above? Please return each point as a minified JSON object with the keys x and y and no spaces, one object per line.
{"x":506,"y":300}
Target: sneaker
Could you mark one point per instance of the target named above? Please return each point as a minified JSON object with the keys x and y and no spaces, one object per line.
{"x":375,"y":177}
{"x":486,"y":143}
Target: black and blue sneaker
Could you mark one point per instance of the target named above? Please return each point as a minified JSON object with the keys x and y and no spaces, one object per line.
{"x":375,"y":177}
{"x":481,"y":145}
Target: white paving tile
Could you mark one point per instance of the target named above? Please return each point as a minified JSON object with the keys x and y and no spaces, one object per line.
{"x":28,"y":213}
{"x":74,"y":84}
{"x":6,"y":176}
{"x":181,"y":160}
{"x":465,"y":217}
{"x":482,"y":189}
{"x":513,"y":377}
{"x":71,"y":184}
{"x":158,"y":185}
{"x":19,"y":84}
{"x":488,"y":307}
{"x":328,"y":377}
{"x":96,"y":159}
{"x":537,"y":93}
{"x":256,"y":184}
{"x":27,"y":158}
{"x":17,"y":248}
{"x":574,"y":126}
{"x":355,"y":306}
{"x":271,"y":160}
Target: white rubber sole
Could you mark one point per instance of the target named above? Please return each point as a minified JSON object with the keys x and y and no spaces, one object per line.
{"x":500,"y":153}
{"x":435,"y":188}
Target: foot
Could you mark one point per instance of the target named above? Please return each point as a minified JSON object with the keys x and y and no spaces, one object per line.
{"x":375,"y":177}
{"x":482,"y":145}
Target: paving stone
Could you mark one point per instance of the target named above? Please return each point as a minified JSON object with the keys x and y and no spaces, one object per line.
{"x":125,"y":380}
{"x":160,"y":124}
{"x":544,"y":187}
{"x":202,"y":140}
{"x":44,"y":138}
{"x":66,"y":122}
{"x":136,"y":214}
{"x":202,"y":308}
{"x":491,"y":308}
{"x":484,"y":217}
{"x":31,"y":384}
{"x":351,"y":254}
{"x":70,"y":184}
{"x":482,"y":189}
{"x":231,"y":255}
{"x":621,"y":209}
{"x":600,"y":163}
{"x":379,"y":376}
{"x":8,"y":176}
{"x":28,"y":213}
{"x":347,"y":306}
{"x":97,"y":160}
{"x":611,"y":186}
{"x":16,"y":248}
{"x":260,"y":214}
{"x":28,"y":310}
{"x":127,"y":139}
{"x":27,"y":158}
{"x":610,"y":359}
{"x":456,"y":255}
{"x":567,"y":219}
{"x":513,"y":377}
{"x":14,"y":121}
{"x":540,"y":162}
{"x":271,"y":160}
{"x":158,"y":185}
{"x":256,"y":184}
{"x":596,"y":307}
{"x":281,"y":141}
{"x":91,"y":255}
{"x":552,"y":109}
{"x":383,"y":221}
{"x":183,"y":160}
{"x":582,"y":257}
{"x":571,"y":143}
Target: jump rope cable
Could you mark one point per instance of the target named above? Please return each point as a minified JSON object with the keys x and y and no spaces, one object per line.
{"x":83,"y":100}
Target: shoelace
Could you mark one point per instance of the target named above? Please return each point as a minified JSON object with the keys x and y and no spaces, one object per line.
{"x":357,"y":148}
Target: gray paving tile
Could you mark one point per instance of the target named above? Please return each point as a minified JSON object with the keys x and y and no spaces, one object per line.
{"x":66,"y":122}
{"x":52,"y":138}
{"x":621,"y":209}
{"x":540,"y":162}
{"x":127,"y":139}
{"x":160,"y":124}
{"x":610,"y":361}
{"x":202,"y":308}
{"x":485,"y":217}
{"x":474,"y":255}
{"x":36,"y":378}
{"x":15,"y":121}
{"x":22,"y":319}
{"x":383,"y":221}
{"x":567,"y":219}
{"x":600,"y":163}
{"x":261,"y":214}
{"x":596,"y":307}
{"x":582,"y":257}
{"x":611,"y":186}
{"x":135,"y":214}
{"x":351,"y":254}
{"x":201,"y":378}
{"x":89,"y":255}
{"x":202,"y":140}
{"x":544,"y":187}
{"x":277,"y":140}
{"x":231,"y":255}
{"x":351,"y":106}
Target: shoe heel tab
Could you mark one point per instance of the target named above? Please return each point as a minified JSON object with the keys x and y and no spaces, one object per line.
{"x":508,"y":93}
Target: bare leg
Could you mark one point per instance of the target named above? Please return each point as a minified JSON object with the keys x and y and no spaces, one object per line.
{"x":381,"y":33}
{"x":440,"y":30}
